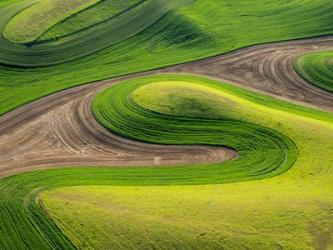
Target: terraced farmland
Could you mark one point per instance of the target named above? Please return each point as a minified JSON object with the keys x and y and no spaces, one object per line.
{"x":166,"y":124}
{"x":317,"y":68}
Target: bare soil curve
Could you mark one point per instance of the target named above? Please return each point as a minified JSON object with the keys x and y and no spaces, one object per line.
{"x":268,"y":69}
{"x":59,"y":130}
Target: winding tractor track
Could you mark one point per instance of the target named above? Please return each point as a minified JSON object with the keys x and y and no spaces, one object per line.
{"x":59,"y":130}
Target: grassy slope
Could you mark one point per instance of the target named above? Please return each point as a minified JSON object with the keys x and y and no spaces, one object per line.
{"x":292,"y":211}
{"x":280,"y":214}
{"x":262,"y":152}
{"x":113,"y":31}
{"x":79,"y":22}
{"x":205,"y":28}
{"x":253,"y":23}
{"x":31,"y":23}
{"x":316,"y":68}
{"x":298,"y":202}
{"x":7,"y":2}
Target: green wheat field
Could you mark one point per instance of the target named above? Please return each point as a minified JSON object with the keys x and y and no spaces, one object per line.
{"x":166,"y":124}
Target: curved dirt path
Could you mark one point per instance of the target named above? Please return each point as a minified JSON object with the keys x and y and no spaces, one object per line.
{"x":59,"y":130}
{"x":268,"y":69}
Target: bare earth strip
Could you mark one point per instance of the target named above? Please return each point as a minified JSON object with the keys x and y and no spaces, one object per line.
{"x":268,"y":69}
{"x":59,"y":130}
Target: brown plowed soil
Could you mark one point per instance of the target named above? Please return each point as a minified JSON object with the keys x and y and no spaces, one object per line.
{"x":59,"y":130}
{"x":268,"y":69}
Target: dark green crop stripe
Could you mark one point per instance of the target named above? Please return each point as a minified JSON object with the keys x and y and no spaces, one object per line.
{"x":316,"y":68}
{"x":263,"y":152}
{"x":99,"y":37}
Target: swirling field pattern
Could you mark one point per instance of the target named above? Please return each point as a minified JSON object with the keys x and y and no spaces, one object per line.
{"x":172,"y":144}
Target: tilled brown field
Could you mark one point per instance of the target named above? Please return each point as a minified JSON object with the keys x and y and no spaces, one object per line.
{"x":269,"y":69}
{"x":59,"y":130}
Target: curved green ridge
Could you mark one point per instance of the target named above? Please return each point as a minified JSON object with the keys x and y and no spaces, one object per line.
{"x":263,"y":152}
{"x":316,"y":68}
{"x":17,"y":202}
{"x":99,"y":13}
{"x":96,"y":38}
{"x":23,"y":224}
{"x":198,"y":30}
{"x":30,"y":23}
{"x":185,"y":99}
{"x":226,"y":31}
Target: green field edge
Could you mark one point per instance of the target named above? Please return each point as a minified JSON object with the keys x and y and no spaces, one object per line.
{"x":15,"y":55}
{"x":38,"y":41}
{"x":152,"y":70}
{"x":20,"y":192}
{"x":61,"y":20}
{"x":299,"y":67}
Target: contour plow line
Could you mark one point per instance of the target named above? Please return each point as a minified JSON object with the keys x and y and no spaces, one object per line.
{"x":267,"y":68}
{"x":257,"y":152}
{"x":60,"y":130}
